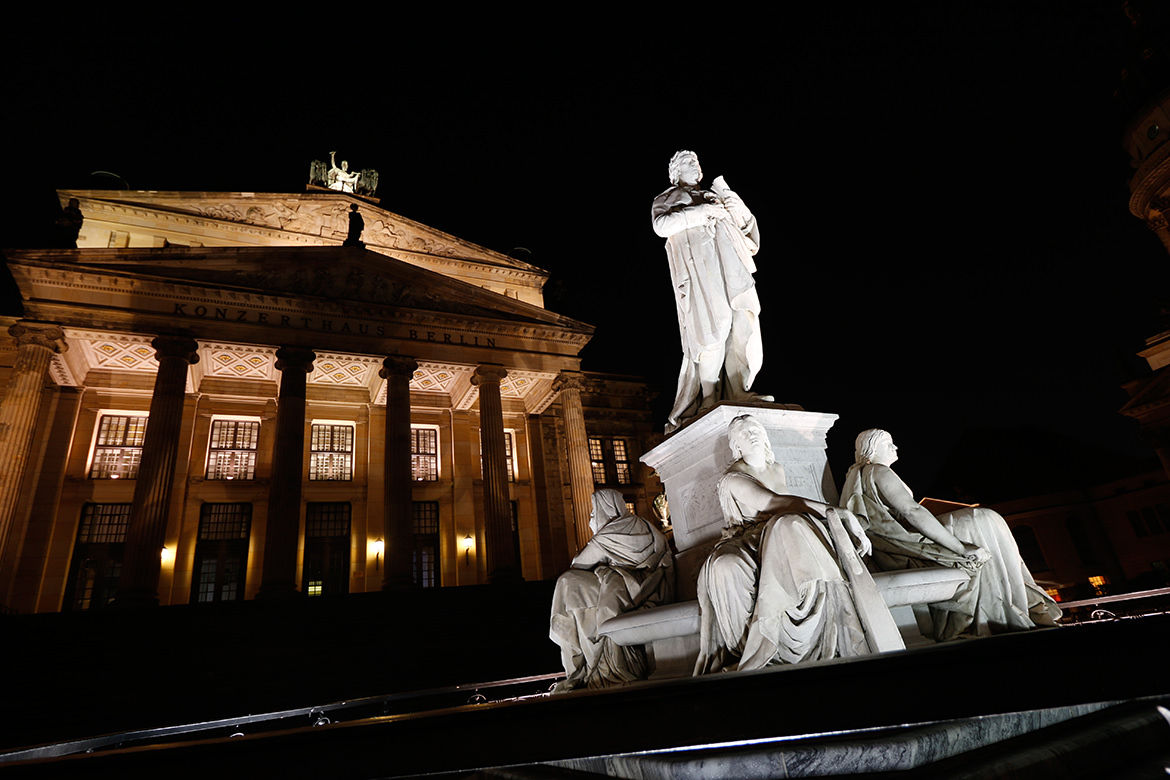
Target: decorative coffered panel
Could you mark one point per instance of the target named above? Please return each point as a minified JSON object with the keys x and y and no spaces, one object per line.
{"x":346,"y":370}
{"x":447,"y":378}
{"x":237,"y":361}
{"x":123,"y":353}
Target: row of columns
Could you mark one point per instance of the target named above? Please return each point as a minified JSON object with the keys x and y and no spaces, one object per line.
{"x":146,"y":532}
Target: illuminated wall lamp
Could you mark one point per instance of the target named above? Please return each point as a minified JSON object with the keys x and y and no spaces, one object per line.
{"x":378,"y":547}
{"x":166,"y":555}
{"x":468,"y":544}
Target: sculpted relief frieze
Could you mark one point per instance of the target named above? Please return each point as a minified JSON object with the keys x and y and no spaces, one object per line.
{"x":330,"y":219}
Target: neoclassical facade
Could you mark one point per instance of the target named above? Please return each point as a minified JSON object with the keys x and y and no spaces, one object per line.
{"x":212,"y":399}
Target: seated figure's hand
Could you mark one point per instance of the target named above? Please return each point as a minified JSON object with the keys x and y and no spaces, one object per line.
{"x":864,"y":545}
{"x":975,"y":553}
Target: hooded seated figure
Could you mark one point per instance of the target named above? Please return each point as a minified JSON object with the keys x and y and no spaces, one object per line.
{"x":626,"y":566}
{"x":1001,"y":594}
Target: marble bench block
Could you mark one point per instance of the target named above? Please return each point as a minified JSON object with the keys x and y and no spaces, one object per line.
{"x":671,"y":632}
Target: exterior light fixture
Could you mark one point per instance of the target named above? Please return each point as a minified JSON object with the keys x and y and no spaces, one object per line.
{"x":166,"y":555}
{"x":379,"y":548}
{"x":468,"y":543}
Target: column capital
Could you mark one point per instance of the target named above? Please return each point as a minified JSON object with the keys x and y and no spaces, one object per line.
{"x":569,"y":380}
{"x":39,"y":334}
{"x":398,"y":365}
{"x":176,"y":346}
{"x":488,"y":372}
{"x":295,"y":359}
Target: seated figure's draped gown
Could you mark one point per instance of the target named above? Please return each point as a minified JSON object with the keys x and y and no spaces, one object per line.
{"x":774,"y":591}
{"x":626,"y":566}
{"x":1001,"y":594}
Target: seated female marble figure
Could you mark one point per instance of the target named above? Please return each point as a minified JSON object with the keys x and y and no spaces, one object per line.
{"x":1001,"y":594}
{"x":627,"y":565}
{"x":776,"y":589}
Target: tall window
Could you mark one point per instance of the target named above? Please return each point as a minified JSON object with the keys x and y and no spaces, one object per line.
{"x":327,"y":545}
{"x":331,"y":452}
{"x":621,"y":462}
{"x":221,"y":553}
{"x":118,"y":449}
{"x":597,"y":461}
{"x":231,"y":453}
{"x":97,"y":556}
{"x":424,"y":454}
{"x":509,"y":455}
{"x":425,"y":556}
{"x":610,"y":461}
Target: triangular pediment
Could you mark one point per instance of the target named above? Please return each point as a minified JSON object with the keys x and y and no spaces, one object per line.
{"x":114,"y":218}
{"x":342,"y":276}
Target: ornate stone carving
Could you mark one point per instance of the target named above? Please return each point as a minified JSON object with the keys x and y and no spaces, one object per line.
{"x":50,"y":337}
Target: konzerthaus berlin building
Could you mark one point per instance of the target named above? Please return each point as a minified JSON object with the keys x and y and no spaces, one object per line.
{"x":212,"y":398}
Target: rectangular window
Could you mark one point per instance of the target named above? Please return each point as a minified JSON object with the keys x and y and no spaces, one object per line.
{"x":509,"y":455}
{"x":424,"y":454}
{"x":597,"y":461}
{"x":425,"y":557}
{"x":118,"y":449}
{"x":621,"y":462}
{"x":97,"y":556}
{"x":327,"y":526}
{"x":231,"y":453}
{"x":221,"y":553}
{"x":610,"y":461}
{"x":331,"y":452}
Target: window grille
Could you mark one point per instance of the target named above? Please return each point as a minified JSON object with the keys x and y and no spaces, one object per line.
{"x":231,"y":452}
{"x":597,"y":461}
{"x":621,"y":462}
{"x":424,"y":454}
{"x":331,"y":452}
{"x":425,"y":556}
{"x":103,"y":523}
{"x":118,"y":449}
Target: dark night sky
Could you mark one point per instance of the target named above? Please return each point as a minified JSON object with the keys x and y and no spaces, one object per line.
{"x":940,"y":186}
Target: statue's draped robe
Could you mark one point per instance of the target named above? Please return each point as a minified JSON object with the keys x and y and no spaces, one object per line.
{"x":711,"y":267}
{"x":632,"y":568}
{"x":774,"y":591}
{"x":1001,"y":594}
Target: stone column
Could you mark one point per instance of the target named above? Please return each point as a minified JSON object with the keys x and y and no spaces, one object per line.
{"x":570,"y":384}
{"x":398,"y":515}
{"x":147,"y":528}
{"x":36,"y":344}
{"x":502,"y":565}
{"x":279,"y":577}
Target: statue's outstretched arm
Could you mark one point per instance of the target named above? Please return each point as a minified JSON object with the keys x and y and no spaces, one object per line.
{"x":897,"y":496}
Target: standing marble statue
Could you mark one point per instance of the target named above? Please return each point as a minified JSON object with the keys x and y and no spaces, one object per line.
{"x":711,"y":238}
{"x":626,"y":566}
{"x":786,"y":584}
{"x":1001,"y":594}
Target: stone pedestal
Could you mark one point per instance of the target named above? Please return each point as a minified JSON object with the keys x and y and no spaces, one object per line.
{"x":691,"y":461}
